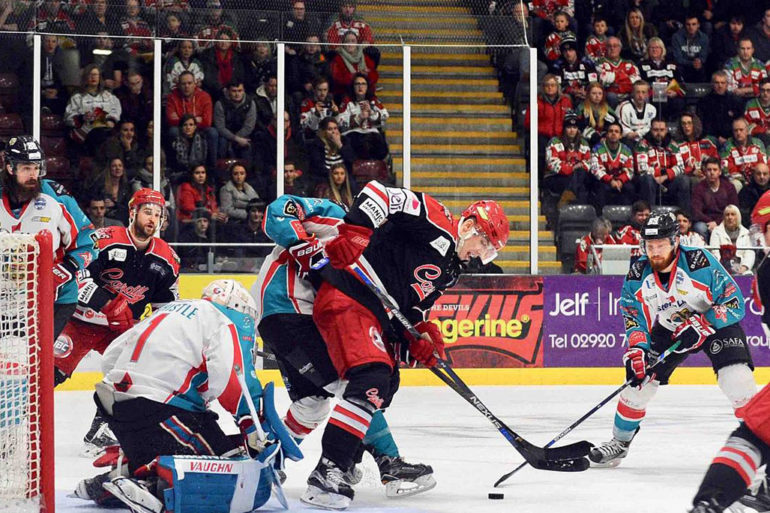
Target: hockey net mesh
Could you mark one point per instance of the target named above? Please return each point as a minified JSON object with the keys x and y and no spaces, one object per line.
{"x":20,"y":414}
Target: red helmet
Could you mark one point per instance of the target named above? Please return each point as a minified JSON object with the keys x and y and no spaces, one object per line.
{"x":490,"y":219}
{"x":761,"y":213}
{"x":143,"y":197}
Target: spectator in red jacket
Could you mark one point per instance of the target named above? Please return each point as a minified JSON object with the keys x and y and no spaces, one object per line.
{"x":552,"y":106}
{"x":350,"y":60}
{"x":347,"y":20}
{"x":188,"y":99}
{"x":629,"y":234}
{"x":600,"y":234}
{"x":197,"y":193}
{"x":710,"y":197}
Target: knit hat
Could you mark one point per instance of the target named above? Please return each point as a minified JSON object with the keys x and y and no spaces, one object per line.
{"x":201,"y":213}
{"x":570,"y":119}
{"x":255,"y":203}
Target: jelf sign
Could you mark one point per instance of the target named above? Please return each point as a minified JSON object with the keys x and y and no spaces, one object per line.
{"x":492,"y":321}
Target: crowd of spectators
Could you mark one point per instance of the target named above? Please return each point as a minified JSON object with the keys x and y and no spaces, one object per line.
{"x":219,"y":108}
{"x":625,"y":115}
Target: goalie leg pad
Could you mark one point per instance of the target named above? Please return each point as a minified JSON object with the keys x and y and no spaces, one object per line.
{"x":214,"y":485}
{"x":737,"y":383}
{"x":632,"y":407}
{"x":273,"y":425}
{"x":756,"y":414}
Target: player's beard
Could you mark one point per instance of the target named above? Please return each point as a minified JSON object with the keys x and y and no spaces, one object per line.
{"x":659,"y":266}
{"x":26,"y":192}
{"x":142,"y":233}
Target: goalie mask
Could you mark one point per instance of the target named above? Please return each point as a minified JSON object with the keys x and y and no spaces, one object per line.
{"x":491,"y":224}
{"x":24,"y":149}
{"x":660,"y":226}
{"x":146,"y":197}
{"x":231,"y":294}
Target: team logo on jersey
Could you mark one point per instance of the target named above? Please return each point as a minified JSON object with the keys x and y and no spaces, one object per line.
{"x":441,"y":244}
{"x":62,"y":346}
{"x":425,"y":275}
{"x":373,"y":396}
{"x":377,"y":339}
{"x":117,"y":254}
{"x":291,"y":209}
{"x":40,"y":203}
{"x":630,"y":322}
{"x":696,"y":259}
{"x":133,"y":293}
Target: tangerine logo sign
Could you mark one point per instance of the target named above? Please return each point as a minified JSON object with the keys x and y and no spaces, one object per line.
{"x":492,"y":315}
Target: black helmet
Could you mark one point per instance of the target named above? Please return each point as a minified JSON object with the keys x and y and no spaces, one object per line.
{"x":660,"y":226}
{"x":24,"y":148}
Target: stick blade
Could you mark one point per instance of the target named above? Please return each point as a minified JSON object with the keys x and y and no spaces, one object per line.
{"x":569,"y":452}
{"x":571,"y":465}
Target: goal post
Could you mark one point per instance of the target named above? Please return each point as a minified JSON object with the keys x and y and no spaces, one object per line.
{"x":26,"y":373}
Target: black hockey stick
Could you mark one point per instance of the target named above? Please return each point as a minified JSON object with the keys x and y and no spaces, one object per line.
{"x":569,"y":458}
{"x":593,"y":410}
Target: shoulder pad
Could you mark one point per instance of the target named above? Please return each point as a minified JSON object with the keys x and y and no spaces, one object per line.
{"x":637,"y":269}
{"x":292,"y":209}
{"x":162,"y":250}
{"x":57,"y":188}
{"x":109,"y":235}
{"x":696,"y":259}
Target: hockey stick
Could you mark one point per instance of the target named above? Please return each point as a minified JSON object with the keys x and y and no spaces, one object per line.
{"x":596,"y":408}
{"x":570,"y":458}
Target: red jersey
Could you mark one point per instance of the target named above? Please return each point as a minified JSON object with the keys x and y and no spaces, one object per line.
{"x":562,"y":158}
{"x":596,"y":48}
{"x":629,"y":236}
{"x":359,"y":27}
{"x":695,"y":152}
{"x":739,"y":160}
{"x":583,"y":249}
{"x":617,"y":77}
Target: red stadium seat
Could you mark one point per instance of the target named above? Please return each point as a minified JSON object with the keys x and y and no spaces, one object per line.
{"x":53,"y":125}
{"x":58,"y":168}
{"x":367,"y":170}
{"x":10,"y":125}
{"x":54,"y":146}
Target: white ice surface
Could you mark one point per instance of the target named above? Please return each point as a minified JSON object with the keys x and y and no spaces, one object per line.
{"x":684,"y":428}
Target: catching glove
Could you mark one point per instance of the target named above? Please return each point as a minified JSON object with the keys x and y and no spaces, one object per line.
{"x":693,"y":333}
{"x":119,"y":315}
{"x":345,"y":249}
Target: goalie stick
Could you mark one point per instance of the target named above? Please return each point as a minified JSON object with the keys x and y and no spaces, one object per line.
{"x":596,"y":408}
{"x":568,"y":458}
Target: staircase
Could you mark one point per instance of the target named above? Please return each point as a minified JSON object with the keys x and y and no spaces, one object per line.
{"x":463,"y":146}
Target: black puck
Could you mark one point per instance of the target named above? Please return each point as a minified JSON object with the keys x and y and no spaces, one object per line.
{"x":496,"y":496}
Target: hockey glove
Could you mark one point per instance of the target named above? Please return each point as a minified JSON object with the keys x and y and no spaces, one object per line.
{"x":430,"y":344}
{"x":635,"y":360}
{"x":345,"y":249}
{"x":62,"y":274}
{"x":693,"y":333}
{"x":119,"y":315}
{"x":308,"y":254}
{"x":251,"y":436}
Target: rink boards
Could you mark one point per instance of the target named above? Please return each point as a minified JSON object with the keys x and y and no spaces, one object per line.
{"x":524,"y":330}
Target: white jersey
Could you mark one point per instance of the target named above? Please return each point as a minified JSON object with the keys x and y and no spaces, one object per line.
{"x":185,"y":355}
{"x":41,"y":213}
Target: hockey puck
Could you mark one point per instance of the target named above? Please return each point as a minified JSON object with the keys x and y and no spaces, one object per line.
{"x":496,"y":496}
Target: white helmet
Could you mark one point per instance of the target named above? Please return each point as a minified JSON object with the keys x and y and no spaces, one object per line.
{"x":231,"y":294}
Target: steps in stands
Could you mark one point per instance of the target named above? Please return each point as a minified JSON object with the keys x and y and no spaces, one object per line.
{"x":463,"y":145}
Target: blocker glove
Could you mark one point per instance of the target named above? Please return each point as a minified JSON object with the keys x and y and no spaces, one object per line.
{"x":119,"y":315}
{"x":693,"y":333}
{"x":345,"y":249}
{"x":308,"y":254}
{"x":635,"y":360}
{"x":430,"y":344}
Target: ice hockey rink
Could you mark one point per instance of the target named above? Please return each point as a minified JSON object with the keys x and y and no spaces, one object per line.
{"x":685,"y":426}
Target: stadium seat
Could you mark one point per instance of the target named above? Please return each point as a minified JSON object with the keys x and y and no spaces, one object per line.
{"x":54,"y":146}
{"x":53,"y":125}
{"x":574,"y":222}
{"x":567,"y":243}
{"x":618,"y":215}
{"x":367,"y":170}
{"x":58,"y":168}
{"x":660,"y":209}
{"x":10,"y":125}
{"x":9,"y":88}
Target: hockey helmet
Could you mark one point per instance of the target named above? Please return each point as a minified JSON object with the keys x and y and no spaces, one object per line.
{"x":660,"y":226}
{"x":231,"y":294}
{"x":491,"y":222}
{"x":142,"y":197}
{"x":24,"y":148}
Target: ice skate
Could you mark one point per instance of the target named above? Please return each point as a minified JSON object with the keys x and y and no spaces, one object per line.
{"x":134,"y":494}
{"x":327,"y":487}
{"x":402,"y":479}
{"x":91,"y":489}
{"x":98,"y":438}
{"x":354,"y":475}
{"x":756,"y":499}
{"x":609,"y":454}
{"x":707,"y":507}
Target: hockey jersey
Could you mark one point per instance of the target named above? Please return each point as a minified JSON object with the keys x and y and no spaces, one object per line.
{"x":757,"y":116}
{"x":562,"y":158}
{"x":288,"y":220}
{"x":698,"y":284}
{"x":617,"y":76}
{"x":608,"y":164}
{"x":659,"y":159}
{"x":360,"y":28}
{"x":583,"y":252}
{"x":351,"y":120}
{"x":739,"y":76}
{"x":186,"y":354}
{"x":635,"y":120}
{"x":576,"y":76}
{"x":309,"y":118}
{"x":143,"y":278}
{"x":738,"y":160}
{"x":596,"y":48}
{"x":693,"y":153}
{"x":411,"y":257}
{"x":629,"y":236}
{"x":551,"y":47}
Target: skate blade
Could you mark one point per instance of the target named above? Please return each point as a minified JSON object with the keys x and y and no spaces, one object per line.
{"x":318,"y":498}
{"x":401,"y":488}
{"x":92,"y":451}
{"x":137,"y":499}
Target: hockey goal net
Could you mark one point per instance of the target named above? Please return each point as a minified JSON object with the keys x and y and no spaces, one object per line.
{"x":26,"y":373}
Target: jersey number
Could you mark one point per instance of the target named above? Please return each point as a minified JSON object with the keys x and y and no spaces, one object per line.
{"x":145,"y":335}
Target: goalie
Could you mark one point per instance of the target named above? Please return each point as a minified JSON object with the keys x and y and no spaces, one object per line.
{"x":160,"y":377}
